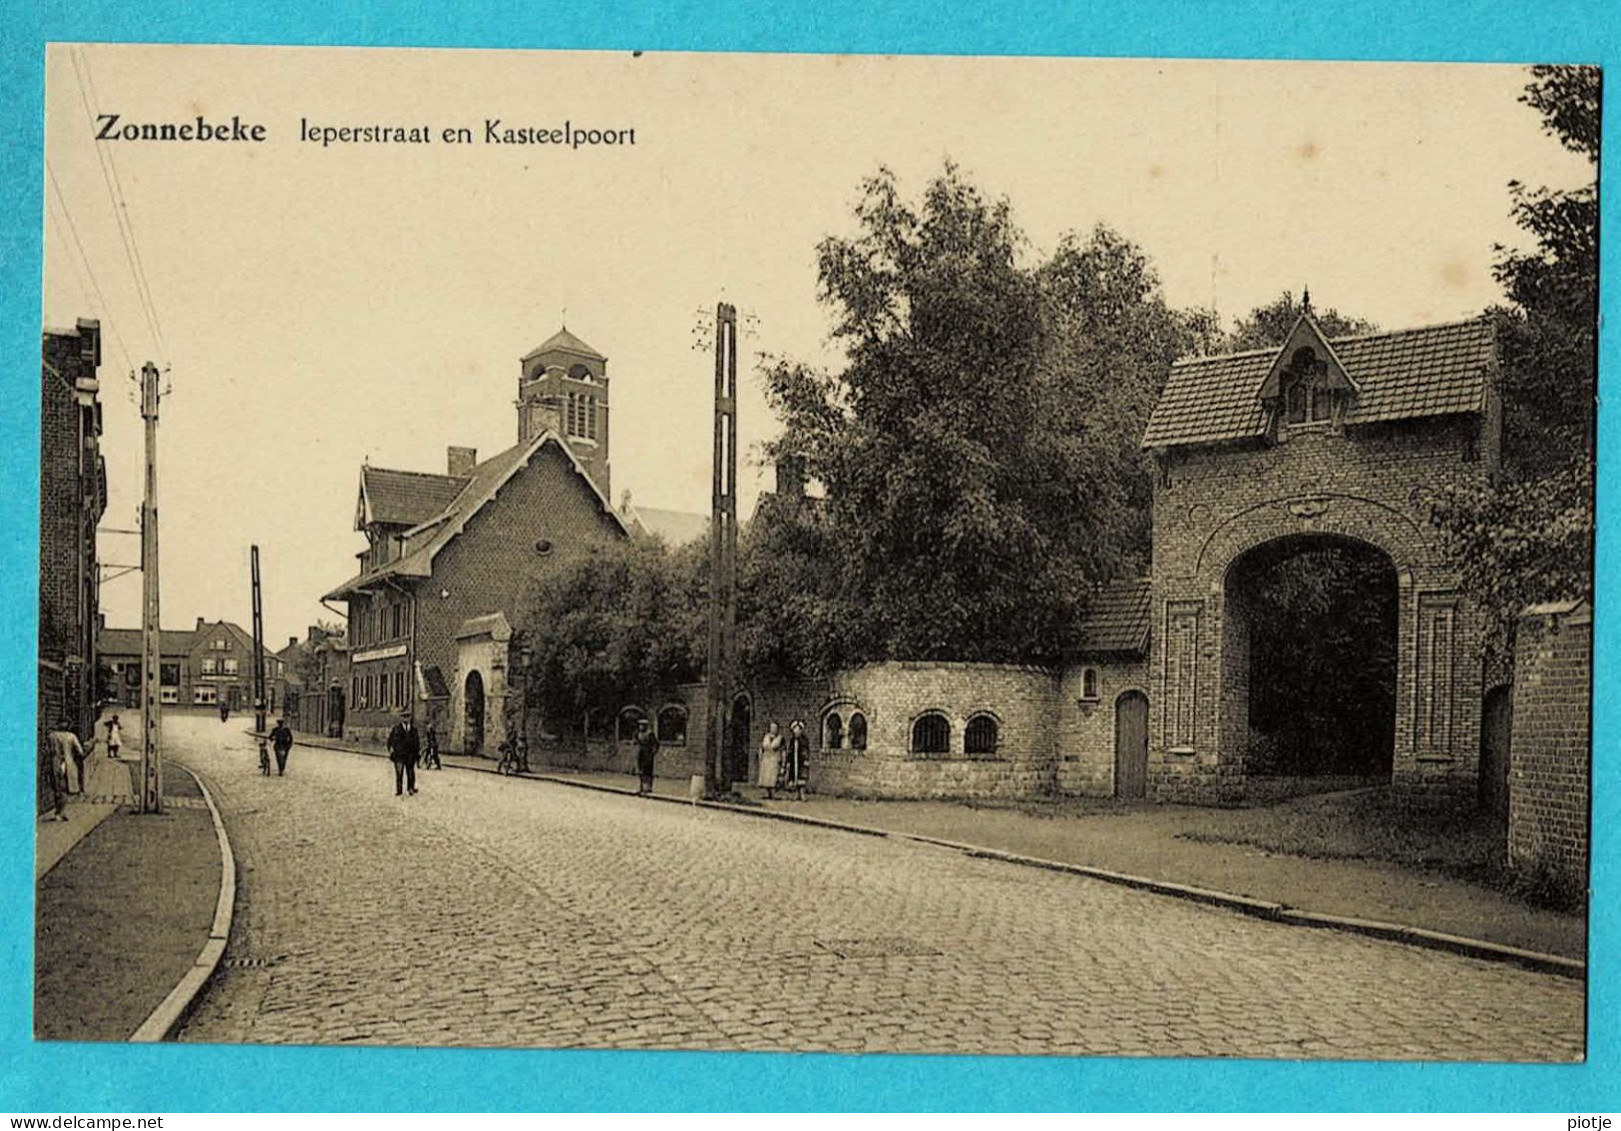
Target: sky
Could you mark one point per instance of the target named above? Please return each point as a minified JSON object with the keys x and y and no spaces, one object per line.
{"x":320,"y":306}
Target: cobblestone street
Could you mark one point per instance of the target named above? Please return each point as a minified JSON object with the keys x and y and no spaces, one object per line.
{"x":487,"y":911}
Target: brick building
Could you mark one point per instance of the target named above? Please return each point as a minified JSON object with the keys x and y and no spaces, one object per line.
{"x":1273,"y":452}
{"x":73,"y":496}
{"x":219,"y":668}
{"x":449,"y":556}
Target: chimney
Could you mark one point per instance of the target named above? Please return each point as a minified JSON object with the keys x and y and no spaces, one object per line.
{"x":791,"y":477}
{"x":292,"y":642}
{"x":459,"y":461}
{"x":200,"y":623}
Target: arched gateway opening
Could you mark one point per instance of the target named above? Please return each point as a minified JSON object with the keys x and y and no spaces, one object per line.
{"x":1310,"y":660}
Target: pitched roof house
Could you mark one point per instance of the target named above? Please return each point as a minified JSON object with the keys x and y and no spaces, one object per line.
{"x":449,"y":556}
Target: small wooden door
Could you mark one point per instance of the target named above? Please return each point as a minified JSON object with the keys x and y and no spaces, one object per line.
{"x":473,"y":714}
{"x":1131,"y":745}
{"x":1496,"y":723}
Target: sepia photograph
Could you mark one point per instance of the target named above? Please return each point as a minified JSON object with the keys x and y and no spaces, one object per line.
{"x":805,"y":553}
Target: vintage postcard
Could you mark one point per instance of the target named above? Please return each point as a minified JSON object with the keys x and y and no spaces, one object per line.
{"x":818,"y":554}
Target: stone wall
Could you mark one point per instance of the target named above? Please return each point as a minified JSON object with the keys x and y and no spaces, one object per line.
{"x":1551,"y":749}
{"x":1025,"y":703}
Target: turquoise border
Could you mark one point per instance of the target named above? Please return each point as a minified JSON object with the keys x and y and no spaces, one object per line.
{"x":78,"y":1078}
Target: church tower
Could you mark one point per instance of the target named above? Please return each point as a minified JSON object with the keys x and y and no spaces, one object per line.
{"x":563,"y":386}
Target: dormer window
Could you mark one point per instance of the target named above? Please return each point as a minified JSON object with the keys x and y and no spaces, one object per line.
{"x":1307,"y":399}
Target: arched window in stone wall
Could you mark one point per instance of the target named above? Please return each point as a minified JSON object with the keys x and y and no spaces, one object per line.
{"x":672,"y":725}
{"x":981,"y":735}
{"x":857,"y":733}
{"x":629,"y":719}
{"x":931,"y":734}
{"x":832,"y":731}
{"x":1089,"y":683}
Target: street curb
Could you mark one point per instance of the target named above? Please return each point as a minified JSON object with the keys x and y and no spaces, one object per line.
{"x":163,"y":1020}
{"x":1245,"y":905}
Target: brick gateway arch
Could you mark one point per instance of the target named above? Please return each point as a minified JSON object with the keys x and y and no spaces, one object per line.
{"x":1317,"y":442}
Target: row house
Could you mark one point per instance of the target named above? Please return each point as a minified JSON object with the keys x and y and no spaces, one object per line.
{"x":72,"y":499}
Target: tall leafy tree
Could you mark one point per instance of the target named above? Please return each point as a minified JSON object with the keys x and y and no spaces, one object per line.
{"x":615,"y":621}
{"x":978,"y":446}
{"x":1528,"y":537}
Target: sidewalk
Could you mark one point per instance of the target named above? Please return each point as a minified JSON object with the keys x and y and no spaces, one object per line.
{"x":1146,"y":841}
{"x":123,"y":904}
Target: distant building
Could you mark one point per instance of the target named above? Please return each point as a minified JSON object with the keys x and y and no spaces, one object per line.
{"x":120,"y":655}
{"x":207,"y":665}
{"x":315,"y":672}
{"x":673,"y":528}
{"x":219,"y":667}
{"x":73,"y":496}
{"x":449,"y":556}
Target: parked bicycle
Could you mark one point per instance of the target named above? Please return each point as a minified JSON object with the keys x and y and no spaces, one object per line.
{"x":514,"y":756}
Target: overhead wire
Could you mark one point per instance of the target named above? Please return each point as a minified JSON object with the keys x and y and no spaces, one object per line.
{"x":95,"y":284}
{"x":120,"y":216}
{"x":142,"y":278}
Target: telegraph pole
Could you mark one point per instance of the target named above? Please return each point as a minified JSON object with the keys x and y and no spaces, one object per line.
{"x":722,"y":555}
{"x":151,"y":799}
{"x":258,"y":652}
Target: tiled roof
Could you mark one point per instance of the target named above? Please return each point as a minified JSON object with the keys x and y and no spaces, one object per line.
{"x":1429,"y":371}
{"x":676,"y":528}
{"x":406,"y":498}
{"x":127,"y":642}
{"x":236,"y":632}
{"x":565,"y":342}
{"x":426,"y":539}
{"x":1117,"y":619}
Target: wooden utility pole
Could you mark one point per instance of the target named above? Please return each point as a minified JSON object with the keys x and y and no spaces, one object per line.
{"x":258,"y":651}
{"x":151,"y":799}
{"x":722,"y":556}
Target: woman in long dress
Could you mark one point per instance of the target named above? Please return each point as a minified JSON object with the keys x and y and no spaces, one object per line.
{"x":770,"y":760}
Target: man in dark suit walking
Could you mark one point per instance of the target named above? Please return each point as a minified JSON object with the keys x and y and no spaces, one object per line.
{"x":404,"y":746}
{"x":281,"y":741}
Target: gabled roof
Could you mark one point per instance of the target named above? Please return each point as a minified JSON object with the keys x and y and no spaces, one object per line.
{"x":1406,"y":374}
{"x":1306,"y":332}
{"x":1117,"y":621}
{"x":236,"y":632}
{"x":564,"y":342}
{"x":403,"y":498}
{"x":676,"y":528}
{"x":422,"y":543}
{"x":127,"y":642}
